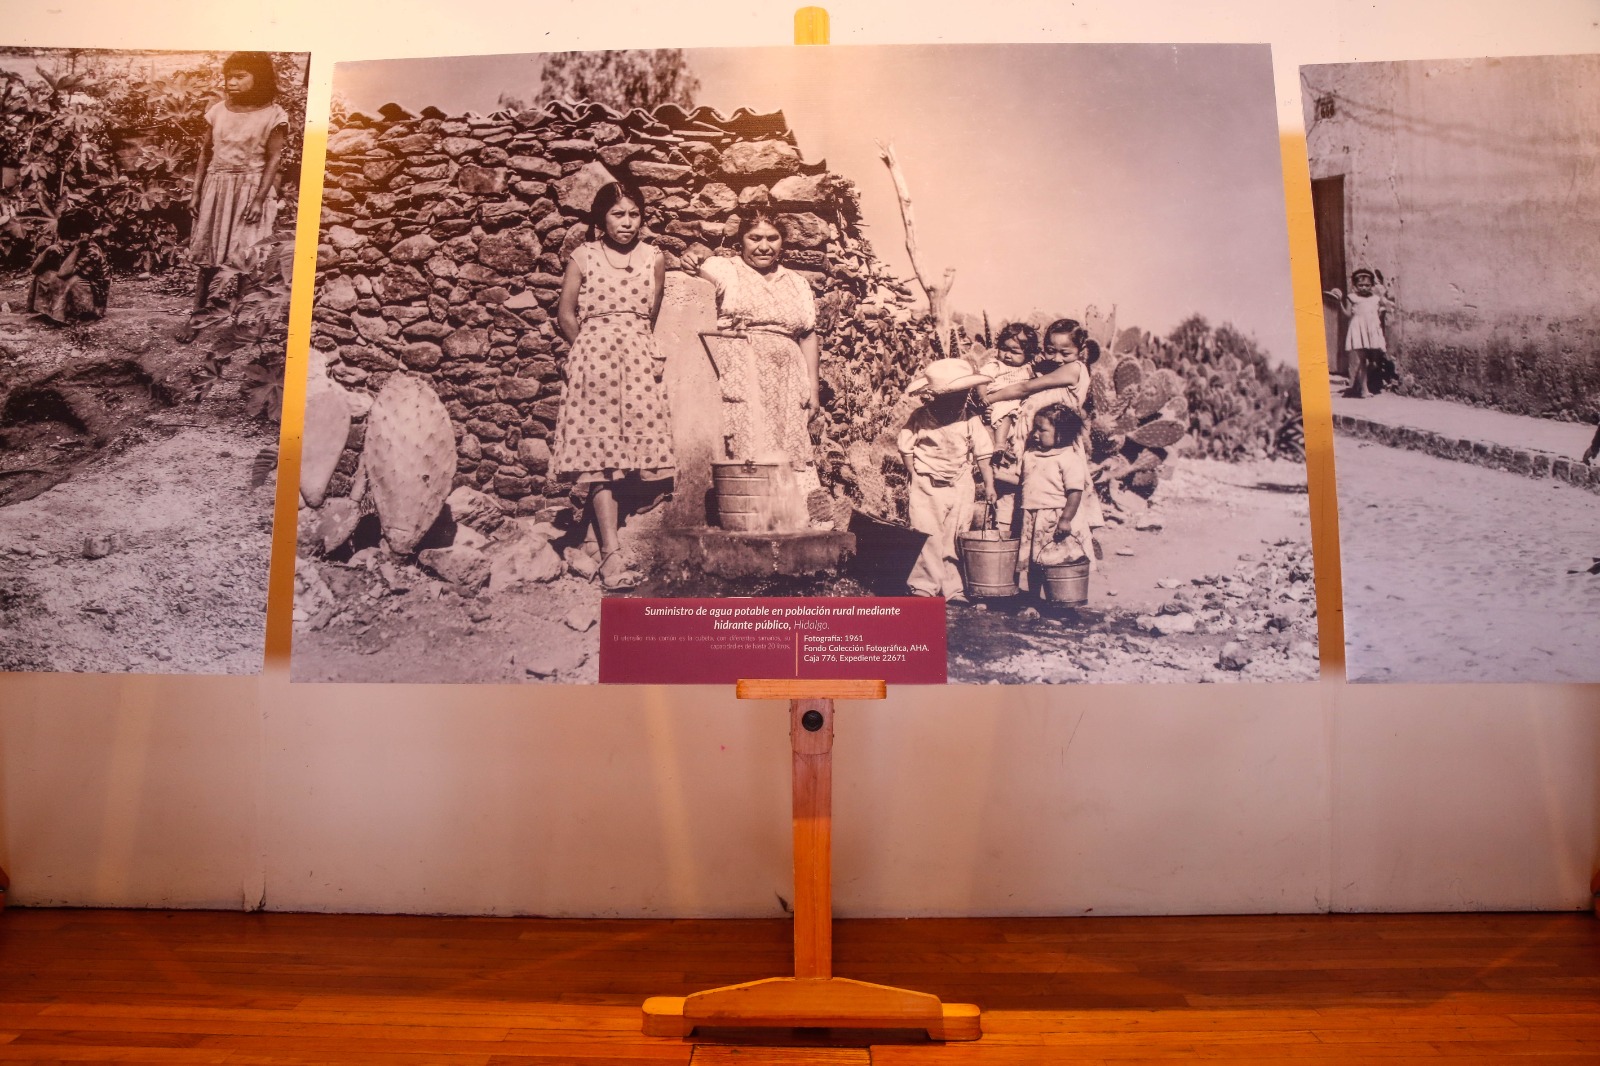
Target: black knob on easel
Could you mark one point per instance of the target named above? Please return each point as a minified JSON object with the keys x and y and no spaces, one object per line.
{"x":811,"y":721}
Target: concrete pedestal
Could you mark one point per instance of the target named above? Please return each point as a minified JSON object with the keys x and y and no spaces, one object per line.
{"x":720,"y":553}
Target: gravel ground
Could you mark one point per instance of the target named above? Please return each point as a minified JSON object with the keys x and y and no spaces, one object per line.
{"x":1453,"y":572}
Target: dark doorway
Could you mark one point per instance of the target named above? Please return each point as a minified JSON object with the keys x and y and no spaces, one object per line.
{"x":1327,"y":208}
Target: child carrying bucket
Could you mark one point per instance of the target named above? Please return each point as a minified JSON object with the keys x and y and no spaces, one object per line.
{"x":941,"y":443}
{"x":1055,"y":481}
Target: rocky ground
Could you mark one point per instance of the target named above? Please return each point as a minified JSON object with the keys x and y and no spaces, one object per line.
{"x":1454,"y":572}
{"x":1216,"y":586}
{"x":132,"y":536}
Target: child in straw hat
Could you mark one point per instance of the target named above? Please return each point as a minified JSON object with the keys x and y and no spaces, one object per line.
{"x":941,"y":442}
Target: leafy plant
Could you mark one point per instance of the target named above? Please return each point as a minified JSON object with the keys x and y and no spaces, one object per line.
{"x":263,"y":392}
{"x":253,"y":319}
{"x":101,"y":133}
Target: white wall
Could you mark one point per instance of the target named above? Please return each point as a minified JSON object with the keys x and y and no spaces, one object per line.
{"x":145,"y":791}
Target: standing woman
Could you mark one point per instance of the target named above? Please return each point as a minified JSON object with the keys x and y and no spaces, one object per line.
{"x":235,"y":203}
{"x":614,"y":421}
{"x":772,"y":306}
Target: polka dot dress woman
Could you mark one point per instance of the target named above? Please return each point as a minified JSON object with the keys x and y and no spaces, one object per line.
{"x":614,"y":421}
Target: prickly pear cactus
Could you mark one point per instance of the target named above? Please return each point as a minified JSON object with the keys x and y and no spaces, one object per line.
{"x":327,"y":428}
{"x":1139,"y":412}
{"x":1160,"y":433}
{"x":410,"y":459}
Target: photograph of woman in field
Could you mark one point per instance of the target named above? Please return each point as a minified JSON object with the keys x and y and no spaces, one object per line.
{"x":145,"y":268}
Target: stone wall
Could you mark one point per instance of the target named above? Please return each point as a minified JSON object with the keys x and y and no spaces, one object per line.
{"x":444,"y":240}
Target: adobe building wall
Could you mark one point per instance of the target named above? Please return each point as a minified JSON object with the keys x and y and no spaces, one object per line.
{"x":1474,"y":183}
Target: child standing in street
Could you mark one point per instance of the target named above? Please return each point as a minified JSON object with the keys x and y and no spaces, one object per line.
{"x":234,"y":202}
{"x":1364,"y":340}
{"x":941,"y":443}
{"x":1055,"y":482}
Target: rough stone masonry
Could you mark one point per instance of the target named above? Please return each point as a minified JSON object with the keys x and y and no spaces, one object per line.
{"x":444,"y":240}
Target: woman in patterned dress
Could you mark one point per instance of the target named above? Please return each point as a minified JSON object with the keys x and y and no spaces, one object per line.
{"x":614,"y":421}
{"x":772,"y":393}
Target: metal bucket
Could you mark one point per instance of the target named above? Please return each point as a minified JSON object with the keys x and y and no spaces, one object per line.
{"x":1065,"y":582}
{"x":744,"y":495}
{"x":988,"y":563}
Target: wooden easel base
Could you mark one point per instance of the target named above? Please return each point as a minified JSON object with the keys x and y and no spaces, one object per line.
{"x":811,"y":1002}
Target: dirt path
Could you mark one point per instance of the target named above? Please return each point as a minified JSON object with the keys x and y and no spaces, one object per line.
{"x":1457,"y":573}
{"x":134,"y":540}
{"x":183,"y":587}
{"x":1233,"y":553}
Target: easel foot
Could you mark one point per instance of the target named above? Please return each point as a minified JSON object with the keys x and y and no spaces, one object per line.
{"x":823,"y":1003}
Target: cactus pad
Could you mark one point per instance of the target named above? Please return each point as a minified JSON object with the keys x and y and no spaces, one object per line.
{"x":1150,"y":398}
{"x":327,"y":428}
{"x":1147,"y":460}
{"x":1118,"y":467}
{"x":410,"y":458}
{"x":1162,"y":433}
{"x":1104,"y":445}
{"x":1126,"y":376}
{"x":1102,"y":392}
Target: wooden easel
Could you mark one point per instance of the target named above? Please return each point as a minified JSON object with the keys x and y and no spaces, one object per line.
{"x":813,"y":997}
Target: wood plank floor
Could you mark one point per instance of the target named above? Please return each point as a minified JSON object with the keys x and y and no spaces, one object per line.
{"x":213,"y":987}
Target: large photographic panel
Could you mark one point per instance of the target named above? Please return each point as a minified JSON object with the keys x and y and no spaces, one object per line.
{"x":800,"y":348}
{"x":1454,"y":206}
{"x":147,"y":213}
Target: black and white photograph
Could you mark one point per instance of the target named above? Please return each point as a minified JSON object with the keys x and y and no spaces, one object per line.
{"x":1009,"y":326}
{"x":147,"y":212}
{"x":1455,"y":203}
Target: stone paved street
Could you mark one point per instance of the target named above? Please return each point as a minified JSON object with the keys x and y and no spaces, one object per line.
{"x":1454,"y":572}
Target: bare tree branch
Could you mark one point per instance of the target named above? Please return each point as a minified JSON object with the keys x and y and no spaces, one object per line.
{"x":937,"y":294}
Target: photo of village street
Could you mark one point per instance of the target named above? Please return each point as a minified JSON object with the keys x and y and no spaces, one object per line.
{"x":1458,"y":268}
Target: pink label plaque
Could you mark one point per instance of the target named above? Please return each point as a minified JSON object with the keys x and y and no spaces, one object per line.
{"x":719,"y":641}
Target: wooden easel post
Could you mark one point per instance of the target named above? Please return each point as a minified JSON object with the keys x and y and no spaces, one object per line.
{"x":813,"y":997}
{"x":811,"y":738}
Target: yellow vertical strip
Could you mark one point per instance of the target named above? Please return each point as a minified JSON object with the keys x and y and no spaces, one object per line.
{"x":1315,"y":399}
{"x":286,"y":512}
{"x":811,"y":25}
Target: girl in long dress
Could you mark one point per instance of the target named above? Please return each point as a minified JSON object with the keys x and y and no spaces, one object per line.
{"x":614,"y":421}
{"x":234,"y":203}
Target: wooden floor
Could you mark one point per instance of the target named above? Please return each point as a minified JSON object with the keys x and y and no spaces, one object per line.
{"x":207,"y":987}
